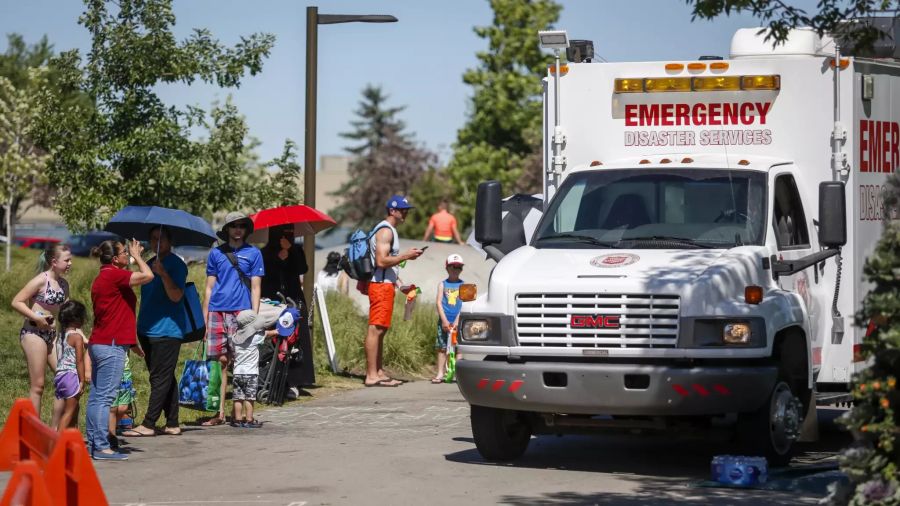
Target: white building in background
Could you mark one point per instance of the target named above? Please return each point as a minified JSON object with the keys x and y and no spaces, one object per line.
{"x":39,"y":215}
{"x":333,"y":172}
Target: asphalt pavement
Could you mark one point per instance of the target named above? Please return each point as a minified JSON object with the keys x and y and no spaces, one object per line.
{"x":413,"y":445}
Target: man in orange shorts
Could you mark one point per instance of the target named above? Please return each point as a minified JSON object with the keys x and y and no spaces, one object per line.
{"x":385,"y":246}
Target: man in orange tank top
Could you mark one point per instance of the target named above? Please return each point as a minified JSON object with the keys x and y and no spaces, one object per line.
{"x":443,"y":225}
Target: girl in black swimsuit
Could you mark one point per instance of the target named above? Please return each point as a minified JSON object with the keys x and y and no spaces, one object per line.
{"x":39,"y":301}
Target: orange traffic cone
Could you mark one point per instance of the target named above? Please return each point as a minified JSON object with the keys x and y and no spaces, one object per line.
{"x":10,"y":438}
{"x":70,"y":474}
{"x":26,"y":487}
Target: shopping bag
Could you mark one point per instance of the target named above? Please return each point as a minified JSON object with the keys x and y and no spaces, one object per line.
{"x":213,"y":398}
{"x":195,"y":327}
{"x":194,"y":380}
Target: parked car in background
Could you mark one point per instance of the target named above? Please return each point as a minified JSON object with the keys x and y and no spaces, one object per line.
{"x":331,"y":238}
{"x":191,"y":254}
{"x":81,"y":244}
{"x":35,"y":242}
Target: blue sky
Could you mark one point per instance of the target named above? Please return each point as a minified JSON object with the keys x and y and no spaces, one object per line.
{"x":419,"y":61}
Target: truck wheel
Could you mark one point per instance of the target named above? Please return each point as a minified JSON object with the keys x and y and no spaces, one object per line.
{"x":772,"y":430}
{"x":499,"y":433}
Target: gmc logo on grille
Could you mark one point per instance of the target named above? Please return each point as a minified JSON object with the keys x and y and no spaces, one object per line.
{"x":586,"y":321}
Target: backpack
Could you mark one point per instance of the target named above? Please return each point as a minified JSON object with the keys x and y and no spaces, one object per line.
{"x":358,"y":260}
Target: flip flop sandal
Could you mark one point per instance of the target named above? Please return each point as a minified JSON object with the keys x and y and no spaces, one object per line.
{"x":213,"y":422}
{"x":382,"y":383}
{"x":437,"y":381}
{"x":134,"y":433}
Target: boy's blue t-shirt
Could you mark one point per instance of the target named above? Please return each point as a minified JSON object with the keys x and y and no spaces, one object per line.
{"x":229,"y":293}
{"x":158,"y":315}
{"x":450,"y":299}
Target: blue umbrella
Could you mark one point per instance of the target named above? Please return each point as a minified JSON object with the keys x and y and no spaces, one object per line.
{"x":184,"y":228}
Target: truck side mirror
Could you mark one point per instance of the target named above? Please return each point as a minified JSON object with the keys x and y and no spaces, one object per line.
{"x":488,"y":227}
{"x":832,"y":214}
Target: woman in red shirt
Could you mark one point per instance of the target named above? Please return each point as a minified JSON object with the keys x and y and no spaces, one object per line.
{"x":114,"y":332}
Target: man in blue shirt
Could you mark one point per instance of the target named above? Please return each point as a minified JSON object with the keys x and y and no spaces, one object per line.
{"x":234,"y":274}
{"x":159,"y":325}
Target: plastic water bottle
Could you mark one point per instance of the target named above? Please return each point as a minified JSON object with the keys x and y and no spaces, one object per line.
{"x":741,"y":471}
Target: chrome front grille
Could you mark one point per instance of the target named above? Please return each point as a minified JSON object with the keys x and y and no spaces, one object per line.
{"x":645,"y":320}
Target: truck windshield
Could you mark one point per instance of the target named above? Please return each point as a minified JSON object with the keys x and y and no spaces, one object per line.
{"x":656,"y":209}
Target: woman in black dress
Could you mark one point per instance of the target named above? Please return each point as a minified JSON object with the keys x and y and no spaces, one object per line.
{"x":285,"y":263}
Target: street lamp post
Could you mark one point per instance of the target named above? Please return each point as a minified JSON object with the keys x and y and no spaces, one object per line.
{"x":313,"y":20}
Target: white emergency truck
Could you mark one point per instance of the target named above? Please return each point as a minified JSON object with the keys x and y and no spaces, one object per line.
{"x":699,"y":259}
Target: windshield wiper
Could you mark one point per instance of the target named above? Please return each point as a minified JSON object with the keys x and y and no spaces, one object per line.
{"x":580,"y":238}
{"x":666,"y":238}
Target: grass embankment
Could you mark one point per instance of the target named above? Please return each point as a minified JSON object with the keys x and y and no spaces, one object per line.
{"x":408,"y":348}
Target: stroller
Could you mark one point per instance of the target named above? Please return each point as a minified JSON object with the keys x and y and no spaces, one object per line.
{"x":277,"y":354}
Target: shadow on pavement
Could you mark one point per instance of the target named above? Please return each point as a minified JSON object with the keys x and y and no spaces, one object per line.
{"x":644,"y":455}
{"x":656,"y":492}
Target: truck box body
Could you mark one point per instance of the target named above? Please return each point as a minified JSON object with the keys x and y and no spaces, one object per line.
{"x":625,"y":330}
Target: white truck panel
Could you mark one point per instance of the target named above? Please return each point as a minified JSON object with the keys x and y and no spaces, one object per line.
{"x":875,"y":155}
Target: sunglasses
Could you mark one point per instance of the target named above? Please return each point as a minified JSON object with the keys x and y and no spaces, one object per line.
{"x":455,"y":267}
{"x":238,"y":225}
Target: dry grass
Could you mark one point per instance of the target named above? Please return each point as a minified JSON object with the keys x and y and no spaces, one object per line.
{"x":408,"y":347}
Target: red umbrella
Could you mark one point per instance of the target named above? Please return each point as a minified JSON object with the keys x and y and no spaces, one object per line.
{"x":305,"y":219}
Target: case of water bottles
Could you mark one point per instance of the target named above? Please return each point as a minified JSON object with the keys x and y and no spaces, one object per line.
{"x":738,"y":470}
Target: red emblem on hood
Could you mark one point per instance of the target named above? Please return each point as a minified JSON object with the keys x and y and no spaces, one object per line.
{"x":615,"y":260}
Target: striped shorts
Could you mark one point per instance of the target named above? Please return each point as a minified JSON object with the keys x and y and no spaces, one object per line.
{"x":221,"y":328}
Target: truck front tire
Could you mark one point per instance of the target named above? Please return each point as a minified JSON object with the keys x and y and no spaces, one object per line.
{"x":772,"y":430}
{"x":500,"y":434}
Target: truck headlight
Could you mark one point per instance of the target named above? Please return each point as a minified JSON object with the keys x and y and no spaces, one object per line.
{"x":722,"y":332}
{"x":736,"y":333}
{"x":476,"y":330}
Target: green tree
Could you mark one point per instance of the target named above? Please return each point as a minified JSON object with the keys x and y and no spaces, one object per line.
{"x":22,"y":163}
{"x":277,"y":182}
{"x":502,"y":136}
{"x":830,"y":16}
{"x":386,"y":161}
{"x":16,"y":64}
{"x":134,"y":149}
{"x":19,"y":57}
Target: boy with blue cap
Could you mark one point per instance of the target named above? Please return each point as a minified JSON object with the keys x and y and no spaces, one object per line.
{"x":385,"y":246}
